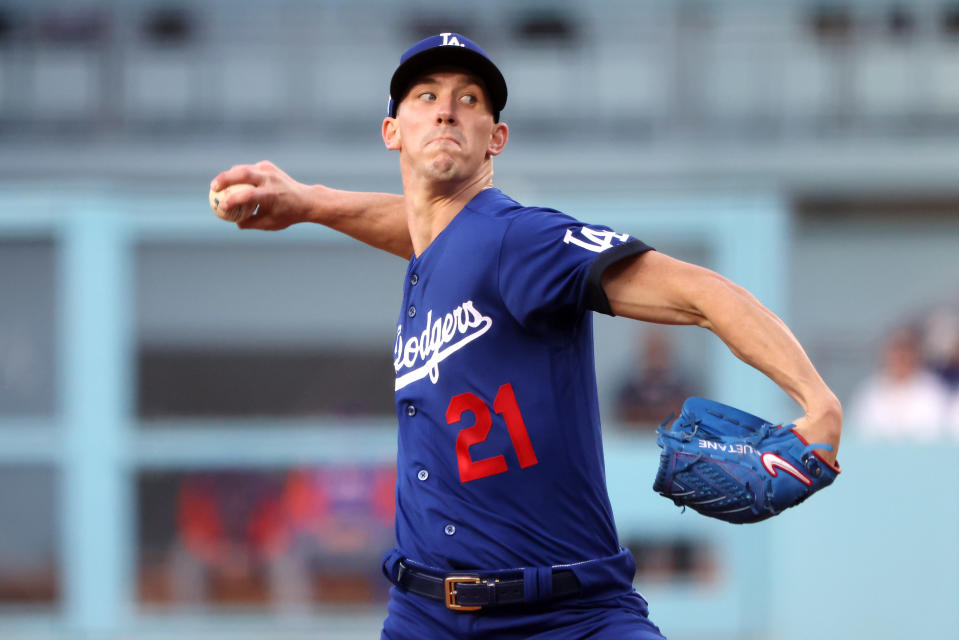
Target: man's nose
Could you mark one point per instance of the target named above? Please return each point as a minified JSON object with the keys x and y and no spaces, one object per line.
{"x":446,"y":111}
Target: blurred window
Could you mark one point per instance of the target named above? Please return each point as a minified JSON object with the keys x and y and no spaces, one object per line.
{"x":168,"y":26}
{"x":674,"y":559}
{"x":240,"y":382}
{"x":950,"y":20}
{"x":27,"y":378}
{"x":29,"y":565}
{"x":426,"y":25}
{"x":901,"y":22}
{"x":7,"y":25}
{"x":832,"y":23}
{"x":547,"y":27}
{"x":75,"y":26}
{"x":280,"y":539}
{"x":265,"y":330}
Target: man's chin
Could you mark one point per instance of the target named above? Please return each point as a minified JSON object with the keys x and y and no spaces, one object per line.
{"x":442,"y":170}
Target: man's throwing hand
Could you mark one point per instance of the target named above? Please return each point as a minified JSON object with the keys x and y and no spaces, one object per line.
{"x":277,"y":199}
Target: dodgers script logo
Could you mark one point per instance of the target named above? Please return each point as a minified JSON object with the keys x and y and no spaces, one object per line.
{"x":421,"y":355}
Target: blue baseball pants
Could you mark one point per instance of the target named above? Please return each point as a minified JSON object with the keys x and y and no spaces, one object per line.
{"x":413,"y":617}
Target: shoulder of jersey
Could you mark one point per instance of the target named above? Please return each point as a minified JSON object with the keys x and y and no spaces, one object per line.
{"x":507,"y":209}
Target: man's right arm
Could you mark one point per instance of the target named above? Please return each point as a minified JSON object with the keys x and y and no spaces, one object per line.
{"x":378,"y":219}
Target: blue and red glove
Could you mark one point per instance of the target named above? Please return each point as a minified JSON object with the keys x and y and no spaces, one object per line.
{"x":731,"y":465}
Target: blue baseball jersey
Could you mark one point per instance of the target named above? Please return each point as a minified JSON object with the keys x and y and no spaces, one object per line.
{"x":500,"y":460}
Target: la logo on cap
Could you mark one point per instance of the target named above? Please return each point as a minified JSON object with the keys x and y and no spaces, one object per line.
{"x":447,"y":40}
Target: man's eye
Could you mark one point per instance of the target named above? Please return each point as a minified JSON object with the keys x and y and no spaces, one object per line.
{"x":427,"y":95}
{"x":468,"y":99}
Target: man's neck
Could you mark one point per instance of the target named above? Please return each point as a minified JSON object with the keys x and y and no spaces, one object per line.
{"x":431,"y":207}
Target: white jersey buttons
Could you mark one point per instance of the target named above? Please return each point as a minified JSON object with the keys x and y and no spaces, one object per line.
{"x":410,"y":410}
{"x":449,"y":530}
{"x":414,"y":279}
{"x":423,"y":474}
{"x":411,"y":312}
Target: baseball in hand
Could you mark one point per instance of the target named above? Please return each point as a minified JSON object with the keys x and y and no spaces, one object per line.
{"x":235,"y":214}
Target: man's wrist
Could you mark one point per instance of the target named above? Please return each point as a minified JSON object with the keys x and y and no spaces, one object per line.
{"x":318,"y":204}
{"x":826,"y":412}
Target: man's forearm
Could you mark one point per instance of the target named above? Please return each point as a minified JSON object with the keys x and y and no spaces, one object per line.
{"x":377,"y":219}
{"x":759,"y":338}
{"x":656,"y":288}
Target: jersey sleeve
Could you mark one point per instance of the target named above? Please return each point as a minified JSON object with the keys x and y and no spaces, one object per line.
{"x":550,"y":265}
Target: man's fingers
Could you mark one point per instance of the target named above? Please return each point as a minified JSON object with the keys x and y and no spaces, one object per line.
{"x":238,"y":174}
{"x":254,"y":222}
{"x":263,"y":223}
{"x":262,"y":199}
{"x":242,"y":197}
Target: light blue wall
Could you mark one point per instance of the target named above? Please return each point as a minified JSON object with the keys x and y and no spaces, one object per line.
{"x":854,"y":280}
{"x":881,"y":541}
{"x":876,"y":555}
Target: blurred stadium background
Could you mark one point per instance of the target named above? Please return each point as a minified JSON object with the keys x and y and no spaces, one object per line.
{"x":196,"y":437}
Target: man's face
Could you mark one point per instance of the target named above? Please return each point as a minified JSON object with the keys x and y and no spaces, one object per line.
{"x":901,"y":356}
{"x":444,"y":126}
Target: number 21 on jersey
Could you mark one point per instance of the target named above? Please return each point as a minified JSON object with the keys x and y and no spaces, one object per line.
{"x":504,"y":405}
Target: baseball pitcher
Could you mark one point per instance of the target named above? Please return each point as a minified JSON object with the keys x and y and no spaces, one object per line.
{"x":503,"y":524}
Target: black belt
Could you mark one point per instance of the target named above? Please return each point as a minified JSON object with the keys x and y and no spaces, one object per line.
{"x":470,"y":592}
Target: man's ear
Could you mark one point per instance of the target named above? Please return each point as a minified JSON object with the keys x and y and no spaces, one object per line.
{"x":498,"y":140}
{"x":391,"y":134}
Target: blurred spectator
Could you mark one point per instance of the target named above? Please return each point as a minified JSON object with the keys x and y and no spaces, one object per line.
{"x":284,"y":539}
{"x":942,"y":346}
{"x":949,"y":370}
{"x":340,"y":521}
{"x":230,"y":532}
{"x":952,"y":417}
{"x":903,"y":399}
{"x":655,"y":388}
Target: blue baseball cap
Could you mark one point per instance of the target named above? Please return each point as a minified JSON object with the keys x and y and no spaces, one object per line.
{"x":447,"y":49}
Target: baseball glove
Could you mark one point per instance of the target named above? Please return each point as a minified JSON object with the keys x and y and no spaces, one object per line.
{"x":730,"y":465}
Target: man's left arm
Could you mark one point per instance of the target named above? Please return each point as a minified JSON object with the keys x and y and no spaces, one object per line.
{"x":656,"y":288}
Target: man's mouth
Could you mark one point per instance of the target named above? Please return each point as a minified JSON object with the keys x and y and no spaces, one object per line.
{"x":447,"y":139}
